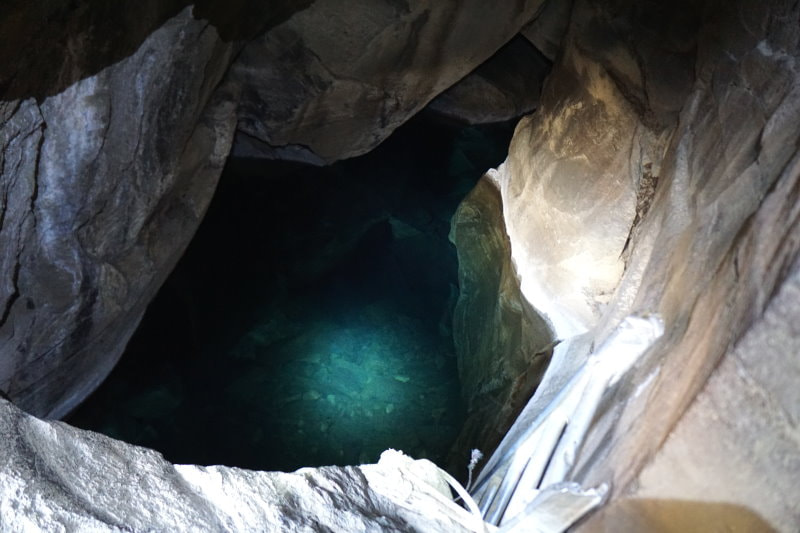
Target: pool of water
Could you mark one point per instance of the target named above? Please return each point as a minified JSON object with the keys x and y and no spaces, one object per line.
{"x":308,"y":323}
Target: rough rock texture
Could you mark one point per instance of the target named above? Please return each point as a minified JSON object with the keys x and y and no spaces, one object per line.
{"x":102,"y":185}
{"x":502,"y":344}
{"x":114,"y":133}
{"x":504,"y":87}
{"x":338,"y":80}
{"x":547,"y":30}
{"x":57,"y":478}
{"x":715,"y":455}
{"x":662,"y":173}
{"x":46,"y":46}
{"x":113,"y":129}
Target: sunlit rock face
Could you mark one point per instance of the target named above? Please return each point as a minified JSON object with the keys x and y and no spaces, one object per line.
{"x":335,"y":80}
{"x":660,"y":174}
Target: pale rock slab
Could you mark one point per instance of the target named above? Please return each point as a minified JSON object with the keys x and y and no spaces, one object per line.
{"x":503,"y":345}
{"x":54,"y":477}
{"x":739,"y":438}
{"x":660,"y":174}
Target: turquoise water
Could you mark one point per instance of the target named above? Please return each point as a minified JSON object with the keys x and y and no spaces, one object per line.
{"x":342,"y":391}
{"x":309,"y":321}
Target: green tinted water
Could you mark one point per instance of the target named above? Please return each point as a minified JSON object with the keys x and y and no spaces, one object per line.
{"x":309,"y":321}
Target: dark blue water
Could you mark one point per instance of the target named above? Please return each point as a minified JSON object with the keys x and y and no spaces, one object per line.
{"x":308,"y":323}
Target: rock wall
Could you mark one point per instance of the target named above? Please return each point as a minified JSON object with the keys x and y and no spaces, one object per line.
{"x":102,"y":185}
{"x":334,"y":81}
{"x":546,"y":31}
{"x":660,"y":174}
{"x":505,"y":87}
{"x":732,"y":459}
{"x":116,"y":124}
{"x":503,"y":346}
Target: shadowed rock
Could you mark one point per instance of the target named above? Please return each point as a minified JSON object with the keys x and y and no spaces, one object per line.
{"x":111,"y":148}
{"x":506,"y":86}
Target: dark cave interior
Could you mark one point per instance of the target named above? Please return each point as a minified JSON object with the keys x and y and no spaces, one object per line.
{"x":308,"y":322}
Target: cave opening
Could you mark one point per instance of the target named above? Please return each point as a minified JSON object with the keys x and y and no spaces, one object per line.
{"x":309,"y":321}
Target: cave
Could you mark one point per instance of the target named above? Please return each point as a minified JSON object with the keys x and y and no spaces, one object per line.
{"x":551,"y":245}
{"x":309,"y":322}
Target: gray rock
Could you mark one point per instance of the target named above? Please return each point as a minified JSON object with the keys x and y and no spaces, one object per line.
{"x":54,"y":477}
{"x":506,"y":86}
{"x":661,"y":174}
{"x":546,"y":31}
{"x":45,"y":47}
{"x":491,"y":318}
{"x":720,"y":234}
{"x":109,"y":160}
{"x":102,"y":186}
{"x":741,"y":430}
{"x":337,"y":79}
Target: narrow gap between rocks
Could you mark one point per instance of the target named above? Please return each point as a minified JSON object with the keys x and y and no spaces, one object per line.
{"x":308,"y":323}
